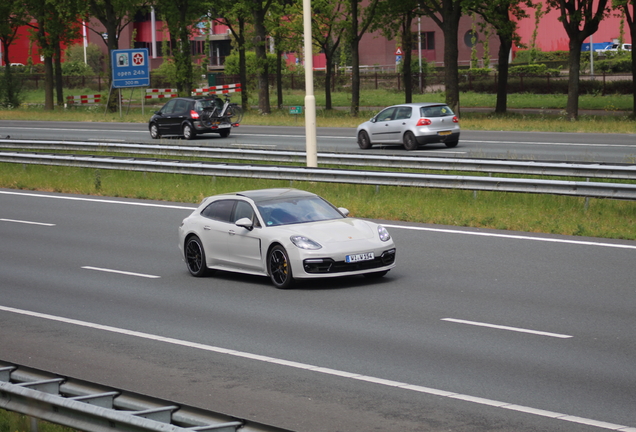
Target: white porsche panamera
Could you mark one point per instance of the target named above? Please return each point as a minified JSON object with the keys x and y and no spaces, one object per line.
{"x":285,"y":234}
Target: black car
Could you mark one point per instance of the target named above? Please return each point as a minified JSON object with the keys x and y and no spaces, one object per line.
{"x":190,"y":116}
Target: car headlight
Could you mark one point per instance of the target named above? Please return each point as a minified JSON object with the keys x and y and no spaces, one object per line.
{"x":304,"y":242}
{"x":384,"y":234}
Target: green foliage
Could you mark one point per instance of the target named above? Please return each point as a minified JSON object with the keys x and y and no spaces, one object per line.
{"x":165,"y":76}
{"x":533,"y":70}
{"x":251,"y":65}
{"x":524,"y":56}
{"x":75,"y":68}
{"x":10,"y":88}
{"x":477,"y":72}
{"x":415,"y":66}
{"x":94,"y":56}
{"x":612,"y":62}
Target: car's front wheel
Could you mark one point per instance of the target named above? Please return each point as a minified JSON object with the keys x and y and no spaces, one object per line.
{"x":195,"y":257}
{"x":154,"y":131}
{"x":363,"y":140}
{"x":279,"y":267}
{"x":188,"y":131}
{"x":410,"y":143}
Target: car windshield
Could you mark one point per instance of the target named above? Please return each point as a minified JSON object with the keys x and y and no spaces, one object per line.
{"x":297,"y":210}
{"x":436,"y":111}
{"x":200,"y":104}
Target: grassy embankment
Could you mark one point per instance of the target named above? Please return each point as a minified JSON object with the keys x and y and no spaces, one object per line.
{"x":506,"y":211}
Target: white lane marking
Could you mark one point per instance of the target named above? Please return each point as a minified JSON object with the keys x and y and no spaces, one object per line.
{"x":548,"y":143}
{"x":253,"y":145}
{"x":121,"y":272}
{"x":27,"y":222}
{"x":513,"y":236}
{"x":99,"y":200}
{"x":328,"y":371}
{"x":441,"y":230}
{"x":500,"y":327}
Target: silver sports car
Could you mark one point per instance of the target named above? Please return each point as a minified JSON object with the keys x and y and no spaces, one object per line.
{"x":285,"y":234}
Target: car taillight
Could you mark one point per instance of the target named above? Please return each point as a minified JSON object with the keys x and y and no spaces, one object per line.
{"x":424,"y":122}
{"x":455,"y":119}
{"x":194,"y":114}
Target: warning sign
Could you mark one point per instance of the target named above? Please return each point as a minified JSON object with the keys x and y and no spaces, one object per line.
{"x":398,"y":51}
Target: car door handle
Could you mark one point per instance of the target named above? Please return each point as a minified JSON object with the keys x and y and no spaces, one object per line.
{"x":207,"y":228}
{"x":231,"y":232}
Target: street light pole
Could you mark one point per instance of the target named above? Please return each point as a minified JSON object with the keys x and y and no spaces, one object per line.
{"x":310,"y":99}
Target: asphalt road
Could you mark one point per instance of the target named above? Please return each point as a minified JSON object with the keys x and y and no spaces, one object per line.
{"x":540,"y":146}
{"x":474,"y":330}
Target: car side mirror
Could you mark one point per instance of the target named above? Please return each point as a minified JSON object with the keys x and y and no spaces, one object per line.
{"x":344,"y":211}
{"x":158,"y":112}
{"x":245,"y":223}
{"x":373,"y":120}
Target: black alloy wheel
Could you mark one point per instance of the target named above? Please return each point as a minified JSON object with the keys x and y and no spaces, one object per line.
{"x":410,"y":143}
{"x":279,"y":268}
{"x":195,"y":257}
{"x":363,"y":140}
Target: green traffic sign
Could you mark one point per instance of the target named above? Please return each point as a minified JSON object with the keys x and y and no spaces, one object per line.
{"x":296,"y":110}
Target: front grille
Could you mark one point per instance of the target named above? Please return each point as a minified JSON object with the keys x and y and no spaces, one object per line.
{"x":328,"y":265}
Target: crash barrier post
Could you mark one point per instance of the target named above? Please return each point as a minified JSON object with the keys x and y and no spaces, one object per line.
{"x":161,"y":93}
{"x":220,"y":89}
{"x":83,"y":100}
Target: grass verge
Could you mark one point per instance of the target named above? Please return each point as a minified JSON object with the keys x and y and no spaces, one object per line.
{"x":495,"y":210}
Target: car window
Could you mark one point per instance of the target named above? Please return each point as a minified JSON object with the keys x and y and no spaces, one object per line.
{"x":436,"y":111}
{"x":169,"y":107}
{"x":297,"y":210}
{"x":403,"y":113}
{"x":181,"y":106}
{"x":245,"y":210}
{"x":219,"y":210}
{"x":387,"y":114}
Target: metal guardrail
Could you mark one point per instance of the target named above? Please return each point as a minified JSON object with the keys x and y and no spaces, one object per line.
{"x":584,"y":170}
{"x":94,"y":408}
{"x":572,"y":188}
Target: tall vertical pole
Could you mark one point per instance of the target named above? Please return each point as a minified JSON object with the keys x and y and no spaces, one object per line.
{"x":310,"y":99}
{"x":153,"y":33}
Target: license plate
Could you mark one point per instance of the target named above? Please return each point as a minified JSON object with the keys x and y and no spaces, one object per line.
{"x":445,"y":133}
{"x":359,"y":257}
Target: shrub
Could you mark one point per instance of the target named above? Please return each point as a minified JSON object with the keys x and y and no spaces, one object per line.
{"x":535,"y":69}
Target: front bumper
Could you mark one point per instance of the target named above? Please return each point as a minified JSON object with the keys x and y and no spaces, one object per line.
{"x":318,"y":266}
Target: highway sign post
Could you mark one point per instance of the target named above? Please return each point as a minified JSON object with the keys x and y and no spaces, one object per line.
{"x":130,"y":68}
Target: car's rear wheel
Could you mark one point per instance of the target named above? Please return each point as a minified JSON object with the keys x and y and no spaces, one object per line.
{"x":195,"y":257}
{"x":279,"y":267}
{"x":224,"y":133}
{"x":154,"y":131}
{"x":410,"y":143}
{"x":363,"y":140}
{"x":451,"y":144}
{"x":188,"y":131}
{"x":375,"y":275}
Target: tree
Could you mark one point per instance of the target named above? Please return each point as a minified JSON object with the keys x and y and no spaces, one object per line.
{"x":235,"y":15}
{"x":397,"y":20}
{"x":180,"y":16}
{"x":328,"y":30}
{"x":580,"y":19}
{"x":359,"y":23}
{"x":260,"y":10}
{"x":499,"y":13}
{"x":284,"y":29}
{"x":114,"y":15}
{"x":630,"y":15}
{"x":12,"y":16}
{"x":446,"y":14}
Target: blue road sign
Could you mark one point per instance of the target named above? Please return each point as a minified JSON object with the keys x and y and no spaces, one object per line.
{"x":130,"y":68}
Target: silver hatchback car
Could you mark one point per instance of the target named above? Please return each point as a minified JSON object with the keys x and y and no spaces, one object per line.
{"x":412,"y":125}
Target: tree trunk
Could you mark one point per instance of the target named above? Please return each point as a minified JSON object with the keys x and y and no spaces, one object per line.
{"x":260,"y":40}
{"x":355,"y":60}
{"x":451,"y":70}
{"x":279,"y":77}
{"x":505,"y":44}
{"x":574,"y":60}
{"x":407,"y":40}
{"x":59,"y":84}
